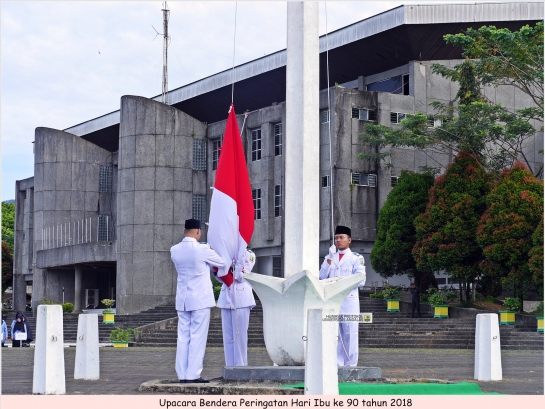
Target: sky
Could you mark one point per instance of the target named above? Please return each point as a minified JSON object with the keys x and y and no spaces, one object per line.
{"x":66,"y":62}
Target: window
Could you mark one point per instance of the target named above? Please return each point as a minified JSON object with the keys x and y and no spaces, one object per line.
{"x":324,"y":116}
{"x":277,"y":200}
{"x":277,"y":266}
{"x":105,"y":183}
{"x":199,"y":154}
{"x":256,"y":196}
{"x":394,"y":85}
{"x":434,"y":123}
{"x":104,"y":226}
{"x":363,"y":179}
{"x":364,"y":114}
{"x":397,"y":117}
{"x":256,"y":144}
{"x":441,"y":281}
{"x":216,"y":150}
{"x":393,"y":180}
{"x":277,"y":139}
{"x":325,"y":181}
{"x":199,"y":208}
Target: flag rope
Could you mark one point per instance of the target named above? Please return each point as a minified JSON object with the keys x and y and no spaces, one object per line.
{"x":233,"y":70}
{"x":329,"y":129}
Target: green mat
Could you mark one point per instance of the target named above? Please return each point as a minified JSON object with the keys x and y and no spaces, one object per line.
{"x":355,"y":388}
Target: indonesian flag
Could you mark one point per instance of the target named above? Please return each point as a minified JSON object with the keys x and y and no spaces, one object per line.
{"x":231,"y":223}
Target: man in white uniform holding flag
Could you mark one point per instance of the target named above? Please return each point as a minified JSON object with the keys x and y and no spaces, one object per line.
{"x":230,"y":230}
{"x":236,"y":301}
{"x":194,"y":298}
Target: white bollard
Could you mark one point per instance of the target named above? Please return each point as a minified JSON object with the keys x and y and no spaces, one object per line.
{"x":321,"y":372}
{"x":487,"y":348}
{"x":49,"y":352}
{"x":87,"y":359}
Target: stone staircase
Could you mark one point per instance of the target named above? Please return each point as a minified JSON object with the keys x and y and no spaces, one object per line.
{"x":70,"y":322}
{"x":388,"y":330}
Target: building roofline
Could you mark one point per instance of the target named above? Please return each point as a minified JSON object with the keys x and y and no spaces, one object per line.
{"x":402,"y":15}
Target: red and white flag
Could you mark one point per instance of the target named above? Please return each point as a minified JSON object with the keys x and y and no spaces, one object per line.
{"x":231,"y":223}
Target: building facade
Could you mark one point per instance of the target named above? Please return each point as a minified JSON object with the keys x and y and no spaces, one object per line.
{"x":109,"y":197}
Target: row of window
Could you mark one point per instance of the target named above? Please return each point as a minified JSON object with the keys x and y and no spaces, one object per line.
{"x":256,"y":145}
{"x":199,"y":211}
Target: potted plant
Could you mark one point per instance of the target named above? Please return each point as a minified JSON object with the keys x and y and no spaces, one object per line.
{"x":507,"y":316}
{"x":120,"y":337}
{"x":391,"y":295}
{"x":435,"y":298}
{"x":108,"y":314}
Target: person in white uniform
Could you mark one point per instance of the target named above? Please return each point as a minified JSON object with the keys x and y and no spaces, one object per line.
{"x":194,"y":298}
{"x":342,"y":263}
{"x":235,"y":302}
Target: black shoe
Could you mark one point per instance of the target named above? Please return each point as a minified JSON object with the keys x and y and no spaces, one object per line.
{"x":198,"y":380}
{"x":182,"y":381}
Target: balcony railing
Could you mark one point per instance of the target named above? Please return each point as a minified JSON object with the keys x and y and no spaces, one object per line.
{"x":88,"y":230}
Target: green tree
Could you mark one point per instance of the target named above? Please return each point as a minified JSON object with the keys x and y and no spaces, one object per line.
{"x":7,"y":267}
{"x":505,"y":57}
{"x":536,"y":258}
{"x":8,"y":222}
{"x":514,"y":211}
{"x":445,"y":232}
{"x":396,"y":236}
{"x":495,"y":135}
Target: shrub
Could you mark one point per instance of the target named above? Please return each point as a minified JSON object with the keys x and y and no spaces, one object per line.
{"x":451,"y":296}
{"x":511,"y":303}
{"x":67,"y":307}
{"x":377,"y":295}
{"x":489,"y":298}
{"x":390,"y":292}
{"x":424,"y":298}
{"x":123,"y":334}
{"x":108,"y":303}
{"x":217,"y":289}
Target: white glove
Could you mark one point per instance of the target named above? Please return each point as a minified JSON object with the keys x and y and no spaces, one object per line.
{"x":332,"y":251}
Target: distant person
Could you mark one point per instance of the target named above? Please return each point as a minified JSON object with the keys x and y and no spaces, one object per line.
{"x":343,"y":263}
{"x":415,"y":292}
{"x":4,"y":331}
{"x":21,"y":333}
{"x":194,"y":298}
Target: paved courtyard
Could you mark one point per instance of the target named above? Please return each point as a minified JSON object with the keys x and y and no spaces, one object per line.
{"x":123,"y":370}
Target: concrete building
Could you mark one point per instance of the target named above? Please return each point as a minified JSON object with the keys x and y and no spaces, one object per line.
{"x":109,"y":196}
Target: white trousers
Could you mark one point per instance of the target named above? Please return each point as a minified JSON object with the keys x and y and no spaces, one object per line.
{"x":192,"y":335}
{"x":235,"y":335}
{"x":347,"y":347}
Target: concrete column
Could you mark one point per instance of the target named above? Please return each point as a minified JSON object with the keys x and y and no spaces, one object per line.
{"x":321,"y":372}
{"x":487,"y":348}
{"x":87,"y":357}
{"x":49,"y":352}
{"x":78,"y":275}
{"x":302,"y":140}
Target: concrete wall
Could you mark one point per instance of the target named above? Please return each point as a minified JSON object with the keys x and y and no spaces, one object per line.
{"x":156,"y":184}
{"x":66,"y":189}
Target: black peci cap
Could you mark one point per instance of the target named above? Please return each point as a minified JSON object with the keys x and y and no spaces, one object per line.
{"x":192,"y":224}
{"x":343,"y":230}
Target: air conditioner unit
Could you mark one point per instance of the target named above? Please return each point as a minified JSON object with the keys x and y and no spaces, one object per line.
{"x":91,"y":298}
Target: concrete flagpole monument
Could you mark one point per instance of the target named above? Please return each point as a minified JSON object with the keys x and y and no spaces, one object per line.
{"x":286,"y":301}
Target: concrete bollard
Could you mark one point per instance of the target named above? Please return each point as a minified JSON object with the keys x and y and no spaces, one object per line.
{"x":49,"y":352}
{"x":87,"y":358}
{"x":321,"y":372}
{"x":487,"y":348}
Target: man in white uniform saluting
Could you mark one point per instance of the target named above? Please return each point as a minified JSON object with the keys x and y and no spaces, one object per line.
{"x":194,"y":298}
{"x":342,"y":263}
